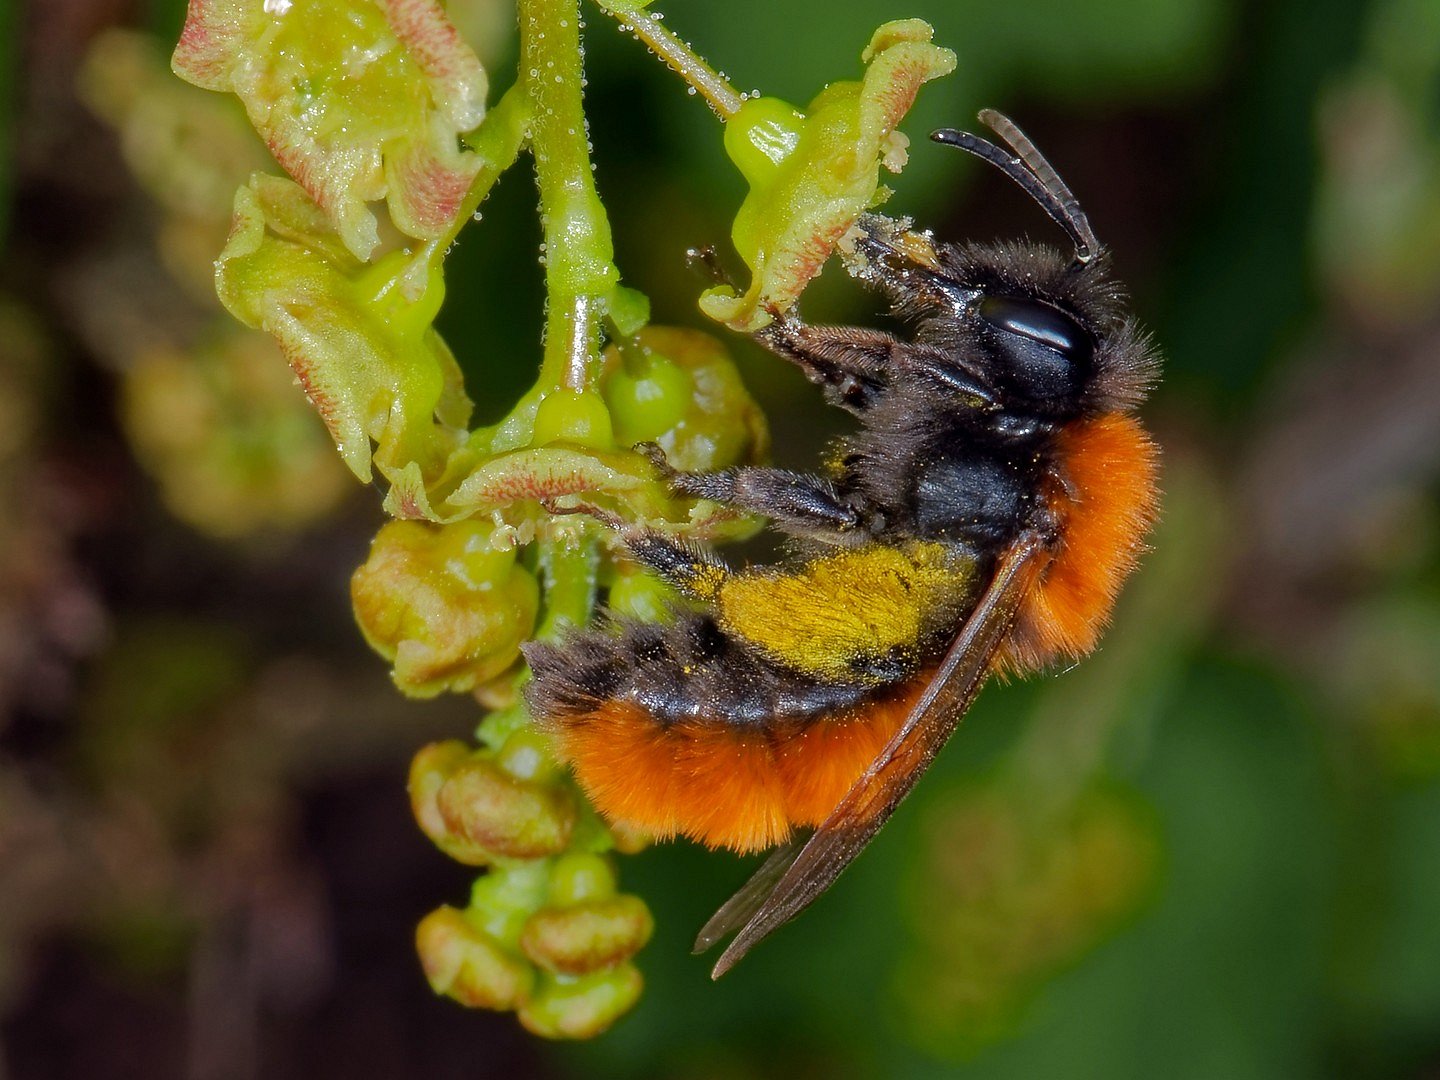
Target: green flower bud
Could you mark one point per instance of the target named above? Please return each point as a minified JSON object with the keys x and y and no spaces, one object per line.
{"x":580,"y":878}
{"x":636,"y":593}
{"x":481,"y":804}
{"x":446,"y":608}
{"x":648,"y":398}
{"x":583,"y":1006}
{"x":589,"y":936}
{"x":429,"y":770}
{"x":761,"y":136}
{"x":679,"y":388}
{"x":577,"y":416}
{"x":526,"y":754}
{"x":502,"y":901}
{"x":463,"y":962}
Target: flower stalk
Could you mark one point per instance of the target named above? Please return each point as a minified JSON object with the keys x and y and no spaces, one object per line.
{"x":678,"y":56}
{"x":579,"y":255}
{"x":363,"y":100}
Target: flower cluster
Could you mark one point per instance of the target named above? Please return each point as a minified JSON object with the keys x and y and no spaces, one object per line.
{"x":368,"y":100}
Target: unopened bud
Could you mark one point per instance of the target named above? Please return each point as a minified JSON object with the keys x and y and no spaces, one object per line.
{"x":484,"y":805}
{"x":588,"y":937}
{"x":446,"y":608}
{"x":463,"y":962}
{"x":580,"y":1007}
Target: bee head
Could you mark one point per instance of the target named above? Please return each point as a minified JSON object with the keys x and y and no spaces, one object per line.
{"x":1020,"y":328}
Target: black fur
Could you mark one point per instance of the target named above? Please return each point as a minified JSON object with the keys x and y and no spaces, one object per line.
{"x":685,"y":670}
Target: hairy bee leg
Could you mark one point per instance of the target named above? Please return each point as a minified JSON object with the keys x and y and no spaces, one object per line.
{"x":692,"y":570}
{"x":850,"y":362}
{"x":794,"y":502}
{"x":695,"y":572}
{"x":903,"y":265}
{"x":797,"y":503}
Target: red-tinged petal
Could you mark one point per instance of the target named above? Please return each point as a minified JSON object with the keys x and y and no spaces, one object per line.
{"x":452,"y":68}
{"x":362,"y":348}
{"x":428,"y":181}
{"x":359,"y":100}
{"x":813,"y":174}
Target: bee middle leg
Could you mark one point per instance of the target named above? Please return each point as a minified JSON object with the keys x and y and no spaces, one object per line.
{"x":796,"y":503}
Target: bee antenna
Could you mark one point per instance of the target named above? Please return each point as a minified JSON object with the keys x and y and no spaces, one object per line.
{"x":1029,"y":169}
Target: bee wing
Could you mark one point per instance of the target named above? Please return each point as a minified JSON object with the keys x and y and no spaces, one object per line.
{"x":800,"y":873}
{"x":739,"y":909}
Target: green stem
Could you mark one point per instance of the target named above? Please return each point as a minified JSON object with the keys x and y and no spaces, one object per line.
{"x":681,"y":59}
{"x":579,"y":256}
{"x":569,"y":568}
{"x":498,"y":142}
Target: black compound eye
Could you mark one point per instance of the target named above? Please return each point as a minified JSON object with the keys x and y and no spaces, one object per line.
{"x":1039,"y":322}
{"x":1042,"y":358}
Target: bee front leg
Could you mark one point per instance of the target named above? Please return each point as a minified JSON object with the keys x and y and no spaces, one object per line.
{"x":852,"y":363}
{"x":796,"y":503}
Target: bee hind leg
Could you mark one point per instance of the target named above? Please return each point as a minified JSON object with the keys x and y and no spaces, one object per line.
{"x":694,"y":571}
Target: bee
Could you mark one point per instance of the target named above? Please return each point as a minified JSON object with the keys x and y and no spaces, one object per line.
{"x":983,"y":518}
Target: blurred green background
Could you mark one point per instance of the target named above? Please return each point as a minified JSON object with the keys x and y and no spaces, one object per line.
{"x":1211,"y":851}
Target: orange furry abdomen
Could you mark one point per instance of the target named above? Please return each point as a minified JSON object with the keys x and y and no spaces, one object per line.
{"x":724,"y":785}
{"x":1106,"y":502}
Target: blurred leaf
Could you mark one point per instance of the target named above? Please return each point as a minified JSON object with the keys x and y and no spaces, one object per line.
{"x":234,"y":448}
{"x":9,"y":48}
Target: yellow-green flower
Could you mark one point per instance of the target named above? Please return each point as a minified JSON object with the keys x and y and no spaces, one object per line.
{"x":358,"y":336}
{"x":359,"y":100}
{"x":443,"y":605}
{"x":813,"y":173}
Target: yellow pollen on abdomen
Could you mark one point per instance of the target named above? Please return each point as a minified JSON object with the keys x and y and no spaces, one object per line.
{"x":830,"y":615}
